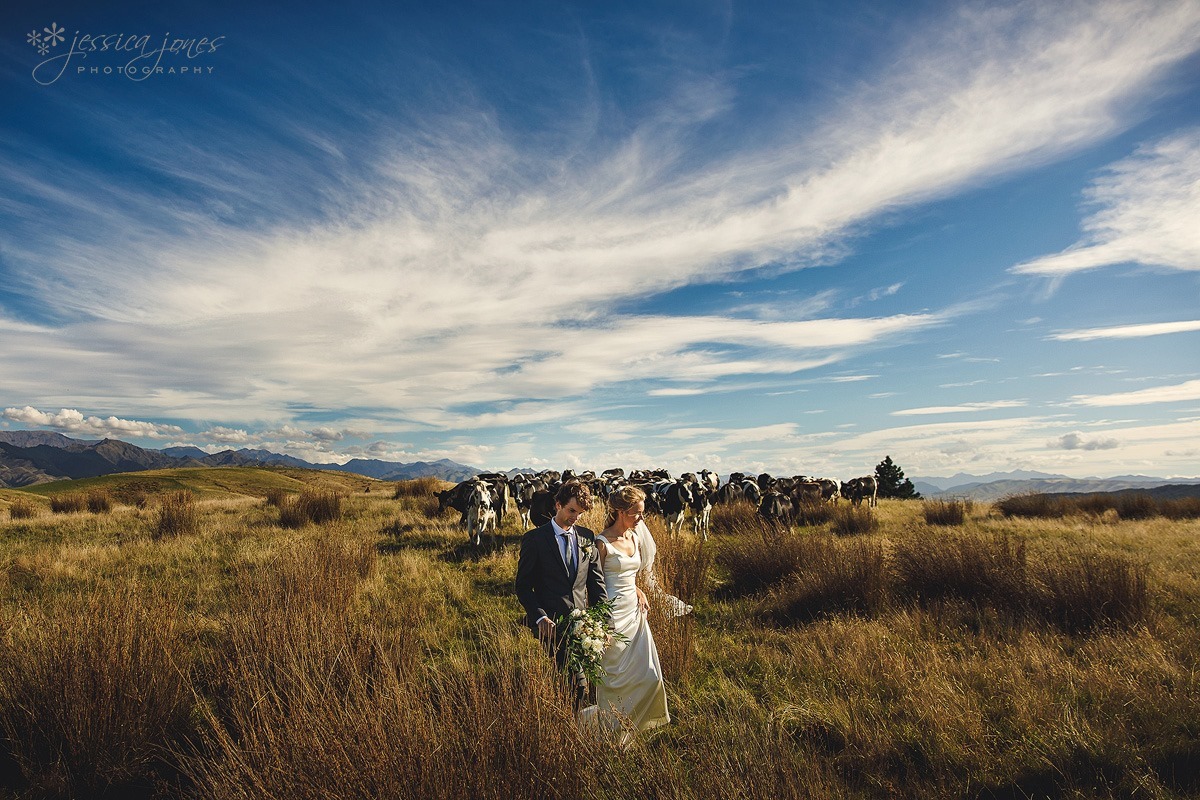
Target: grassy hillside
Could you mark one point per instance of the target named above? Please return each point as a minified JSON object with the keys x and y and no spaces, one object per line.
{"x":378,"y":655}
{"x":209,"y":482}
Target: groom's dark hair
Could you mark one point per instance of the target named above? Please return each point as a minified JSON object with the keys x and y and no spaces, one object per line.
{"x":574,"y":490}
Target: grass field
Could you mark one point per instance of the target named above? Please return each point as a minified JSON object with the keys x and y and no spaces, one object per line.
{"x":377,"y":655}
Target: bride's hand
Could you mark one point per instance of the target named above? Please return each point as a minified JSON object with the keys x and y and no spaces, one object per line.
{"x":643,"y":601}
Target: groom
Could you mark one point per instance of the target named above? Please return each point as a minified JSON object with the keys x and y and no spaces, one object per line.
{"x":559,"y":570}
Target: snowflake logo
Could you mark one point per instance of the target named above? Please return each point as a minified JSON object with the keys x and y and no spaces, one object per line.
{"x":34,"y":38}
{"x":43,"y":49}
{"x":54,"y":34}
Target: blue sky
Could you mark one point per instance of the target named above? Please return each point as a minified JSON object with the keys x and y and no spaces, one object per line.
{"x":794,"y":236}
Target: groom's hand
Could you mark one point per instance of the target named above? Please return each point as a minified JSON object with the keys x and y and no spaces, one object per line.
{"x":545,"y":628}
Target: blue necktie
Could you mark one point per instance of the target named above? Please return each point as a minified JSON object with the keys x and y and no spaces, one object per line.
{"x":568,"y":552}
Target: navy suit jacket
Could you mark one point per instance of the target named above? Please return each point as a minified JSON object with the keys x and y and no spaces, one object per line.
{"x":545,"y":587}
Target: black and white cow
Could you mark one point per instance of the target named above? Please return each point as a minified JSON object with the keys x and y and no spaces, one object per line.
{"x":455,"y":498}
{"x":777,"y":508}
{"x":859,"y":489}
{"x":702,"y":505}
{"x":677,"y":499}
{"x":480,"y":514}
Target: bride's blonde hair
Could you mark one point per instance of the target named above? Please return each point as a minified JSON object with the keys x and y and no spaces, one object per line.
{"x":621,"y":501}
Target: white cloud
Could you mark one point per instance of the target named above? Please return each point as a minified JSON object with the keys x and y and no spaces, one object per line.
{"x":1076,"y":441}
{"x":1146,"y":212}
{"x":1189,"y":390}
{"x":73,"y":421}
{"x":960,"y":409}
{"x":1129,"y":331}
{"x":223,"y":435}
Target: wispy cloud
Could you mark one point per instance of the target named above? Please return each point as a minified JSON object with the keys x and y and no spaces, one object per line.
{"x":1190,"y":390}
{"x":1129,"y":331}
{"x":1146,"y":209}
{"x":960,"y":409}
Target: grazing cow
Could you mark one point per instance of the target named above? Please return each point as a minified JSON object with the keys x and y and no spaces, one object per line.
{"x":829,"y":489}
{"x":677,"y":498}
{"x":480,"y":515}
{"x":807,"y":492}
{"x":859,"y":489}
{"x":523,"y":492}
{"x":702,"y":504}
{"x":653,"y":501}
{"x":455,"y":498}
{"x":751,"y":490}
{"x":501,"y":492}
{"x":709,"y":480}
{"x":777,"y":508}
{"x":765,"y":482}
{"x":541,"y":506}
{"x":729,"y":493}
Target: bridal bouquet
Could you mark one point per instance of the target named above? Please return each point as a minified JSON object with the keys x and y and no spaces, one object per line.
{"x":586,"y":637}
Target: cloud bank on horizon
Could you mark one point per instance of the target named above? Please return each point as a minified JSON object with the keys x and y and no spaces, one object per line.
{"x":570,"y":237}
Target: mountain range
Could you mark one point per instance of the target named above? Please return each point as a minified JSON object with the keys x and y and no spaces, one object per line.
{"x":31,"y":457}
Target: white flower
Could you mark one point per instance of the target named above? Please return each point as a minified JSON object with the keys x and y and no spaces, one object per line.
{"x":577,"y":613}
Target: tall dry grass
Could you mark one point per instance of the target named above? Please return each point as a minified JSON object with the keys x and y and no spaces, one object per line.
{"x":852,"y":520}
{"x":417,"y":487}
{"x":317,"y":507}
{"x":977,"y":569}
{"x":22,"y":509}
{"x":758,"y":556}
{"x":94,"y":690}
{"x":358,"y":660}
{"x":99,"y":502}
{"x":1126,"y":506}
{"x":177,"y":515}
{"x":946,"y":512}
{"x":681,"y":567}
{"x":833,"y":578}
{"x":68,"y":503}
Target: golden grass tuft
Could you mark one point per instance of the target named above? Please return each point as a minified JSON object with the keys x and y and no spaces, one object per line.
{"x":976,"y":569}
{"x":418,"y":487}
{"x":99,"y":502}
{"x":177,"y":515}
{"x":22,"y":509}
{"x":835,"y":577}
{"x":68,"y":503}
{"x":317,"y":507}
{"x":1081,"y":591}
{"x":850,"y":520}
{"x":946,"y":512}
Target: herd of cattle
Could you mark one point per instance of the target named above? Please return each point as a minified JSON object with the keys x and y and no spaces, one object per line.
{"x":485,"y":499}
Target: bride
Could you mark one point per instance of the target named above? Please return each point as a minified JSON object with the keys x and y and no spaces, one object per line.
{"x":632,"y":693}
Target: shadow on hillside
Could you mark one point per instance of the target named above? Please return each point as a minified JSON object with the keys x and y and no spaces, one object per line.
{"x":465,"y":551}
{"x":400,"y":537}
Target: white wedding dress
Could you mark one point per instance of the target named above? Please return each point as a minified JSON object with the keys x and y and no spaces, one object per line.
{"x":632,"y":696}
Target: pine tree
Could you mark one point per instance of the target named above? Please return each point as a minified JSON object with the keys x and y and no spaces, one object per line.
{"x":892,"y":483}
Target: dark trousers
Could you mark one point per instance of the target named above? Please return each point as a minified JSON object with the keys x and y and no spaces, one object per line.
{"x":580,"y":690}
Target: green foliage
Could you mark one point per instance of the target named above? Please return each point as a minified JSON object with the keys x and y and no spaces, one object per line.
{"x":892,"y":483}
